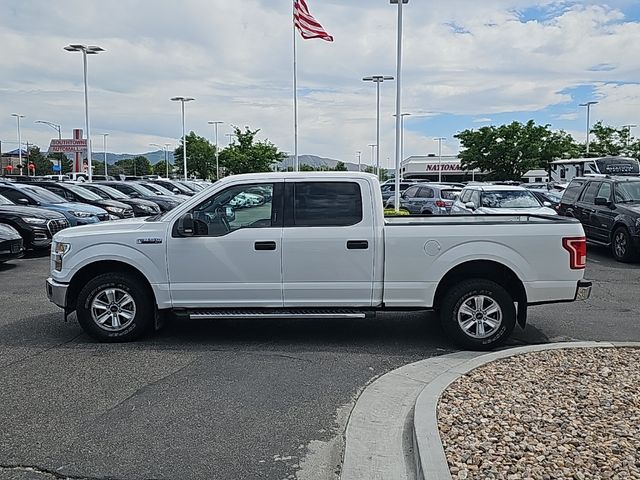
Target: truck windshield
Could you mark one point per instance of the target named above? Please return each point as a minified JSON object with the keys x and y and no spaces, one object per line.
{"x":628,"y":192}
{"x":509,"y":199}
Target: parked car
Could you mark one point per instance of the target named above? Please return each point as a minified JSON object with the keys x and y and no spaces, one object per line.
{"x":160,"y":190}
{"x":141,"y":208}
{"x":496,"y":199}
{"x":135,"y":190}
{"x":11,"y":246}
{"x":305,"y":263}
{"x":73,"y":192}
{"x":36,"y":226}
{"x":551,"y":196}
{"x":27,"y":194}
{"x":427,"y":199}
{"x":174,"y":186}
{"x":609,"y":210}
{"x":388,"y":189}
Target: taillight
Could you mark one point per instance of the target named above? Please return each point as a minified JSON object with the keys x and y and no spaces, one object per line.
{"x":440,"y":203}
{"x":577,"y":248}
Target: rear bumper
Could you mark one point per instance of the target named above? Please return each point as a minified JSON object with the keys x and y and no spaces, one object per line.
{"x":57,"y":292}
{"x":583,"y":291}
{"x":579,"y":291}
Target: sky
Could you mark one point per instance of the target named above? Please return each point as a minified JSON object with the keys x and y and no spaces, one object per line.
{"x":466,"y":64}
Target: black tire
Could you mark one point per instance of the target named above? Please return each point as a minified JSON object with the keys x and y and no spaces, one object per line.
{"x":621,"y":246}
{"x":122,"y":284}
{"x":494,"y":295}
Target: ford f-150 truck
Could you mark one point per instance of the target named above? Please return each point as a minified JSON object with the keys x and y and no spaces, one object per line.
{"x":313,"y":245}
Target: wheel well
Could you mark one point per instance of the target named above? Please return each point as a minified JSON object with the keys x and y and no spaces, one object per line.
{"x":617,"y":226}
{"x":92,"y":270}
{"x":485,"y":269}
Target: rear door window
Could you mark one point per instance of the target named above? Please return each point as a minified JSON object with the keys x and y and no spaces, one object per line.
{"x":425,"y":192}
{"x":326,"y":204}
{"x":572,"y":191}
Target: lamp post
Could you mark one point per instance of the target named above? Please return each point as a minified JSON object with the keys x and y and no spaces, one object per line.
{"x":398,"y":100}
{"x":57,"y":127}
{"x":588,"y":105}
{"x":182,"y":101}
{"x":359,"y":155}
{"x":402,"y":115}
{"x":165,"y":149}
{"x":18,"y":117}
{"x":215,"y":127}
{"x":377,"y":79}
{"x":230,"y":135}
{"x":104,"y":151}
{"x":373,"y":146}
{"x":86,"y":50}
{"x":628,"y":128}
{"x":439,"y":140}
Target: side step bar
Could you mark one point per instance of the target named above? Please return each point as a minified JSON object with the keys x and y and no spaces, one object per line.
{"x":273,"y":314}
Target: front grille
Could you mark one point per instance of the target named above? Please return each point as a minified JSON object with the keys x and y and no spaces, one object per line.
{"x":128,"y":213}
{"x":103,"y":217}
{"x":55,"y":226}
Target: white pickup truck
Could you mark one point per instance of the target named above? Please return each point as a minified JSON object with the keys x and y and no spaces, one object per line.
{"x":312,"y":245}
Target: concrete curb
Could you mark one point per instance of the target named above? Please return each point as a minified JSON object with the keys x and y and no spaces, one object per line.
{"x":430,"y":459}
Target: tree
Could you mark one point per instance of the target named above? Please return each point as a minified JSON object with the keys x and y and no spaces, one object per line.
{"x":160,"y":168}
{"x":612,"y":141}
{"x":137,"y":166}
{"x":63,"y":160}
{"x":245,"y":155}
{"x":340,"y":167}
{"x":201,"y":154}
{"x":384,"y":174}
{"x":42,"y":163}
{"x":507,"y":152}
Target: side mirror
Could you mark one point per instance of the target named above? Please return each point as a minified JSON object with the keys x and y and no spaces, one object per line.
{"x":134,"y":195}
{"x":601,"y":201}
{"x":176,"y":190}
{"x":22,"y":201}
{"x":470,"y":206}
{"x":185,"y":225}
{"x":547,"y":204}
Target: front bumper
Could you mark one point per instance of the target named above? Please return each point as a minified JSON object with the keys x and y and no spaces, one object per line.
{"x":57,"y":292}
{"x":583,"y":291}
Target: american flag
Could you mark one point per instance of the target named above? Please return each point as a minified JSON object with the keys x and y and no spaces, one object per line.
{"x":308,"y":26}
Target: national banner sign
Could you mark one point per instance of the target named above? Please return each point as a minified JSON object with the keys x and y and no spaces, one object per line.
{"x":68,"y":145}
{"x":307,"y":24}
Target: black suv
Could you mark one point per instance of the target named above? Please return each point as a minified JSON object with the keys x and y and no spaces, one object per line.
{"x":609,"y":209}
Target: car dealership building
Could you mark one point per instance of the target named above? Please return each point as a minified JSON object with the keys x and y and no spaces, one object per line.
{"x":428,"y":167}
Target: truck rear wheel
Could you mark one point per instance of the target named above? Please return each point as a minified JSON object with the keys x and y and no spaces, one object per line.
{"x":478,"y":314}
{"x":114,"y":307}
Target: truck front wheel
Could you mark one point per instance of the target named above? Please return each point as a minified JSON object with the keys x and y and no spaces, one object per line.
{"x":478,"y":314}
{"x":114,"y":307}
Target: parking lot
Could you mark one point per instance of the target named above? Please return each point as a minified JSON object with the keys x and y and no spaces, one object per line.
{"x":228,"y":399}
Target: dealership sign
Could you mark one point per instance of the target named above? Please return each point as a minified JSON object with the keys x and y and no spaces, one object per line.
{"x":68,"y":145}
{"x":444,"y":167}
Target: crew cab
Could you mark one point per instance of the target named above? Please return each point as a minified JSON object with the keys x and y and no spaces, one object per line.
{"x":318,"y":246}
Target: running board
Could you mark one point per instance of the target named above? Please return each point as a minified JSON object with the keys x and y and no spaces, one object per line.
{"x":273,"y":314}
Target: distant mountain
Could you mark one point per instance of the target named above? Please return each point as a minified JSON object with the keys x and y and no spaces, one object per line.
{"x":154,"y":157}
{"x":316,"y":162}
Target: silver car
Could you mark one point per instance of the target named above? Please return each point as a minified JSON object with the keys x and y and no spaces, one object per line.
{"x":497,"y":199}
{"x":427,"y":199}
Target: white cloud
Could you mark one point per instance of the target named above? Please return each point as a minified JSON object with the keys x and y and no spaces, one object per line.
{"x":482,"y":120}
{"x":235,"y":59}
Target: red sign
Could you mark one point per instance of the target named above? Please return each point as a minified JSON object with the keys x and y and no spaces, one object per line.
{"x":68,"y":145}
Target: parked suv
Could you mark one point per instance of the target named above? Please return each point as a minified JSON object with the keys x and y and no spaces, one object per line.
{"x":609,"y":210}
{"x":499,"y":199}
{"x":427,"y":199}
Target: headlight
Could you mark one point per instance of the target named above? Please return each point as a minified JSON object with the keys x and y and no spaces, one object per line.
{"x":146,"y":208}
{"x":638,"y":223}
{"x":60,"y":249}
{"x":114,"y":209}
{"x":35,"y":221}
{"x":82,"y":214}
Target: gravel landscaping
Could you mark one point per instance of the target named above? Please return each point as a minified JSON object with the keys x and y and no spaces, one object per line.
{"x":558,"y":414}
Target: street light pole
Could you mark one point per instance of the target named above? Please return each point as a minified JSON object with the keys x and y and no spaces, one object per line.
{"x":439,"y":140}
{"x":588,"y":105}
{"x":182,"y":101}
{"x":104,"y":148}
{"x":18,"y":117}
{"x":402,"y":115}
{"x":57,"y":127}
{"x":628,"y":128}
{"x":86,"y":50}
{"x":373,"y":146}
{"x":377,"y":79}
{"x":215,"y":125}
{"x":398,"y":101}
{"x":359,"y":155}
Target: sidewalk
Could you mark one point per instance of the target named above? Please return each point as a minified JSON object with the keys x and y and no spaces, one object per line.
{"x":393,"y":433}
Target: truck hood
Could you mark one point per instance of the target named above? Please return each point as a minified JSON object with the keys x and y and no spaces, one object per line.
{"x":517,"y":211}
{"x":102,"y":228}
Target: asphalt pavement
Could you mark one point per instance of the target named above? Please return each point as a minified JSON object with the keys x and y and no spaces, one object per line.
{"x":227,"y":399}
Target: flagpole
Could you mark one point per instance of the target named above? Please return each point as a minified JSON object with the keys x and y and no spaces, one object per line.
{"x":295,"y":95}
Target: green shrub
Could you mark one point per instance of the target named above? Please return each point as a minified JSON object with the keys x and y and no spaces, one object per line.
{"x":390,"y":212}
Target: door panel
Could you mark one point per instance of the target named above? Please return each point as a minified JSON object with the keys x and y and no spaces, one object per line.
{"x":327,"y":254}
{"x":235,"y":259}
